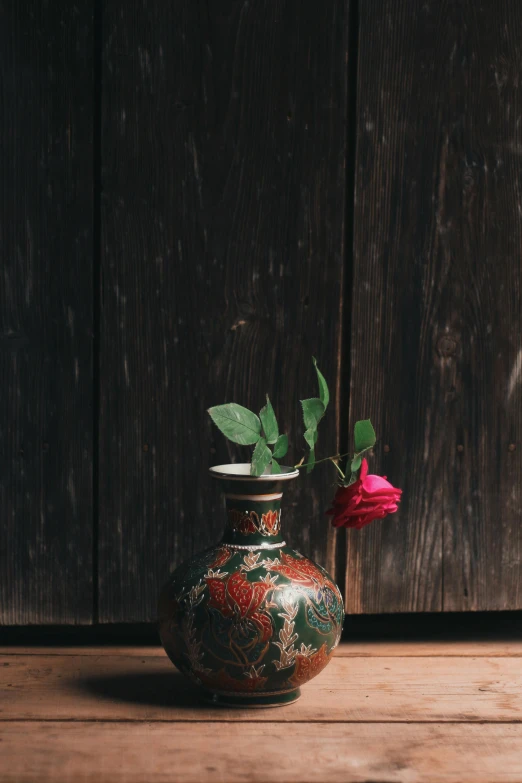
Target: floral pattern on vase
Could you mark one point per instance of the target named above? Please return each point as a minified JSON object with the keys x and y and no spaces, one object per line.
{"x":251,"y":621}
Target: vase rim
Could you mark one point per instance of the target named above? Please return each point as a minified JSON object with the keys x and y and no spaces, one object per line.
{"x":240,"y":471}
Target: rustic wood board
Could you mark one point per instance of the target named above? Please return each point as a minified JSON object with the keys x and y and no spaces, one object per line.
{"x":106,"y":717}
{"x":184,"y":753}
{"x":46,"y":426}
{"x":354,"y":649}
{"x":124,"y":687}
{"x":436,"y":358}
{"x":223,"y":160}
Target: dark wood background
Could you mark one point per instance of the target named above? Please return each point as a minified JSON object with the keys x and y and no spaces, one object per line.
{"x":197,"y":197}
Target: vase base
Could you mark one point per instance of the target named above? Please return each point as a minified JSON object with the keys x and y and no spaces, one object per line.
{"x":249,"y":702}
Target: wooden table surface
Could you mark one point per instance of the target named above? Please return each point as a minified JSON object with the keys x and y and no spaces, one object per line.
{"x":381,"y":712}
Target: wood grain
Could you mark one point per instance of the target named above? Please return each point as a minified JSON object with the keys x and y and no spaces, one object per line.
{"x":46,"y":88}
{"x":436,"y":358}
{"x":110,"y":717}
{"x":223,"y":157}
{"x":491,"y":648}
{"x":372,"y":689}
{"x":157,"y":753}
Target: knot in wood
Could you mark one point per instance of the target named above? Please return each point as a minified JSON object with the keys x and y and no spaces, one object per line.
{"x":447,"y":346}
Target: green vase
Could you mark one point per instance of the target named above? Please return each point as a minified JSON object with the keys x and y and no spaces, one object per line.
{"x":250,"y":620}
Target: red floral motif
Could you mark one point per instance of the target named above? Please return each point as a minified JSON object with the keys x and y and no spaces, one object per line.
{"x":270,"y":521}
{"x":242,"y":522}
{"x":307,"y":666}
{"x":300,"y":570}
{"x":223,"y":555}
{"x":247,"y":525}
{"x":222,"y":681}
{"x":237,"y":597}
{"x":247,"y":522}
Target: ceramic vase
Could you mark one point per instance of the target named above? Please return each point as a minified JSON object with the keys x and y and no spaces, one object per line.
{"x":250,"y":620}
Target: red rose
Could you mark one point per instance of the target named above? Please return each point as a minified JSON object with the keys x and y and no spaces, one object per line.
{"x":368,"y":498}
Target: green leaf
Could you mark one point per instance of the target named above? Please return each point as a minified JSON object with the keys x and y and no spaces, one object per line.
{"x":324,"y":394}
{"x":313,"y":412}
{"x":356,"y":463}
{"x":364,"y":436}
{"x":310,"y":437}
{"x":269,"y":422}
{"x":260,"y":458}
{"x":281,"y":446}
{"x":238,"y":424}
{"x":276,"y":468}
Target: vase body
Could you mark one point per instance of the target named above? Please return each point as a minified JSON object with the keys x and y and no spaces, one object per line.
{"x":250,"y":620}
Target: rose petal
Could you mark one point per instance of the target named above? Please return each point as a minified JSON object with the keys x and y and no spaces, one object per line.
{"x":383,"y":493}
{"x":370,"y":497}
{"x":373,"y":483}
{"x":362,"y":520}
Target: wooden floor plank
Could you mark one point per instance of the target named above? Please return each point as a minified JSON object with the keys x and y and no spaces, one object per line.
{"x":161,"y":753}
{"x":490,"y":648}
{"x":137,"y":688}
{"x":433,"y":647}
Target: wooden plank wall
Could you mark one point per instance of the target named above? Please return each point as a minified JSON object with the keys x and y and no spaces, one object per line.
{"x":223,"y":129}
{"x":229,"y":247}
{"x":46,"y":90}
{"x":436,"y":356}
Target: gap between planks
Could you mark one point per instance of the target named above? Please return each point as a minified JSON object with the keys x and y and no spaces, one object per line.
{"x":206,"y":722}
{"x":405,"y":649}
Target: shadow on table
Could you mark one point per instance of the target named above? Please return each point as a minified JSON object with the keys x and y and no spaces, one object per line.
{"x":156,"y":689}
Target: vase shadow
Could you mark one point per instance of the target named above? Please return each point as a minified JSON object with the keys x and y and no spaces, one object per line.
{"x":154,"y":689}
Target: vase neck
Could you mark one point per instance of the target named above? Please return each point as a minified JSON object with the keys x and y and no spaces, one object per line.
{"x":253,"y":519}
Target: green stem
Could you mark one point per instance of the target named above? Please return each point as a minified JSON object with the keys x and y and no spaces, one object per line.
{"x":325,"y":459}
{"x":338,"y":469}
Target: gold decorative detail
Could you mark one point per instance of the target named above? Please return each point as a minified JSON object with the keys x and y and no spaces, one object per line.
{"x":268,"y":564}
{"x":307,"y":650}
{"x":270,"y":580}
{"x":248,"y":522}
{"x":254,"y":673}
{"x":191,"y":599}
{"x":215,"y":574}
{"x":308,"y":663}
{"x":270,"y":523}
{"x":255,"y":547}
{"x":287,"y":637}
{"x":250,"y":562}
